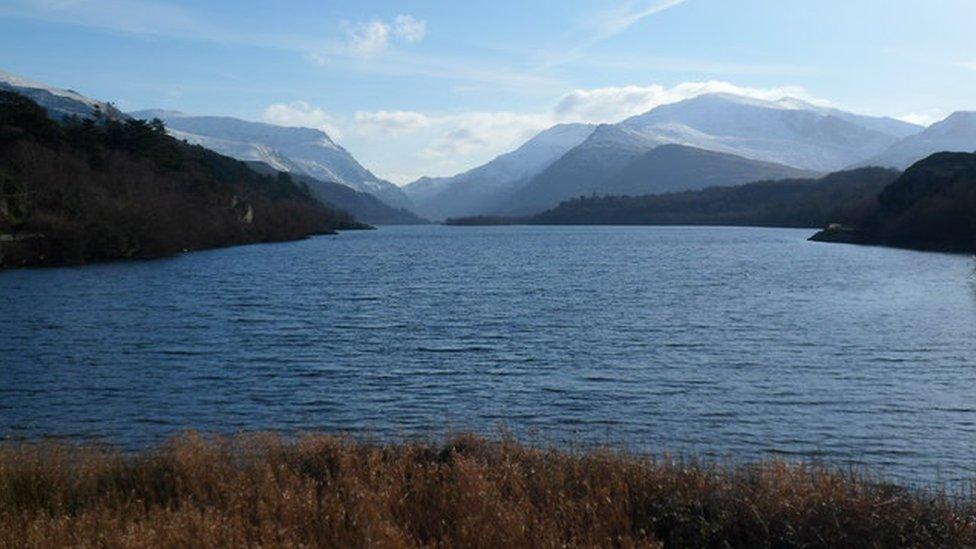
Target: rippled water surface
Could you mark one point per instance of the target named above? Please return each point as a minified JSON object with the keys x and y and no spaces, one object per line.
{"x":728,"y":343}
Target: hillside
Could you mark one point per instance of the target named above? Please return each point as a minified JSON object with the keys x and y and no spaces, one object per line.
{"x":582,"y":170}
{"x":299,"y":151}
{"x":88,"y":190}
{"x":674,"y":168}
{"x":808,"y":203}
{"x":363,"y":206}
{"x":932,"y":206}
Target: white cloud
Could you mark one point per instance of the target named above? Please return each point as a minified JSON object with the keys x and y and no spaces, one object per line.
{"x":368,"y":39}
{"x":924,"y":118}
{"x":391,"y":122}
{"x":409,"y":29}
{"x":616,"y":103}
{"x":476,"y":132}
{"x":971,"y":65}
{"x":302,"y":114}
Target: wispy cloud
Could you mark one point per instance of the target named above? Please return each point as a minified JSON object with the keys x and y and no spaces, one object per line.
{"x":598,"y":26}
{"x":131,"y":16}
{"x":360,"y":46}
{"x":612,"y":22}
{"x":971,"y":65}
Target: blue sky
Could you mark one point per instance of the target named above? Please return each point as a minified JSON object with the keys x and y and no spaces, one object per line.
{"x":432,"y":88}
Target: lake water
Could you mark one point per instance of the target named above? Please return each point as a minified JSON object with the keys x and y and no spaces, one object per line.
{"x":728,"y":343}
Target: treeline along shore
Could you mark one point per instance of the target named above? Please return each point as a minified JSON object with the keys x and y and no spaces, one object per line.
{"x":78,"y":190}
{"x":263,"y":490}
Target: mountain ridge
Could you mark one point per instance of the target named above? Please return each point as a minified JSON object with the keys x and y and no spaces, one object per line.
{"x":305,"y":151}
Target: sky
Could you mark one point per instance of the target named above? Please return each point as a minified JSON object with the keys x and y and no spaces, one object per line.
{"x":438,"y":87}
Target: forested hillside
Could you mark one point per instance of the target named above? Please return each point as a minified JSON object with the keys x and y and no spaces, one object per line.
{"x":95,"y":189}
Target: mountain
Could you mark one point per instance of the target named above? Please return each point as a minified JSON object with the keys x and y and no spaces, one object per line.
{"x":957,"y":133}
{"x":805,"y":203}
{"x":619,"y":161}
{"x":363,"y":206}
{"x":788,"y":131}
{"x":303,"y":151}
{"x":930,"y":207}
{"x":481,"y":188}
{"x":672,"y":168}
{"x":607,"y":151}
{"x":83,"y":190}
{"x":59,"y":103}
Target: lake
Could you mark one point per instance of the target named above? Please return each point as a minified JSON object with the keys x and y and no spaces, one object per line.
{"x":726,"y":343}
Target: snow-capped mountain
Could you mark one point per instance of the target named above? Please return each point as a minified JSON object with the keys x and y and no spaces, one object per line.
{"x":473,"y":191}
{"x":788,"y":131}
{"x":957,"y":133}
{"x":59,"y":103}
{"x":580,"y":171}
{"x":795,"y":136}
{"x":303,"y":151}
{"x":619,"y":161}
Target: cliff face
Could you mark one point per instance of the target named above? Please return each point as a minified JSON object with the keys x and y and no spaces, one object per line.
{"x":87,"y":190}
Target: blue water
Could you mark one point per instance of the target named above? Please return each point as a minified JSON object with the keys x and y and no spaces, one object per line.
{"x":730,"y":343}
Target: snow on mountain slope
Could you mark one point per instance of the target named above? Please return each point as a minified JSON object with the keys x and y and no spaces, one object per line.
{"x":957,"y":133}
{"x":607,"y":151}
{"x":477,"y":190}
{"x":788,"y":131}
{"x":59,"y":103}
{"x":304,"y":151}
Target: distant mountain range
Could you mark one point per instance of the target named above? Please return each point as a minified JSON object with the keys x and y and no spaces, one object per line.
{"x":302,"y":151}
{"x":482,"y":188}
{"x":711,"y":140}
{"x":614,"y":162}
{"x":760,"y":139}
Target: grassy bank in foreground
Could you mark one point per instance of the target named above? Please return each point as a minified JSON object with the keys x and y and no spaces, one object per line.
{"x":327,"y":491}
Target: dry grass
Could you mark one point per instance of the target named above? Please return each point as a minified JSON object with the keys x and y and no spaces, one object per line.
{"x":260,"y":490}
